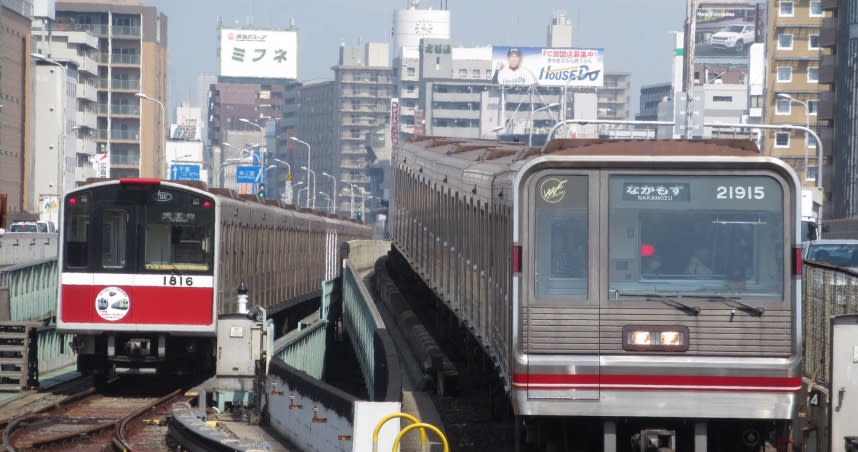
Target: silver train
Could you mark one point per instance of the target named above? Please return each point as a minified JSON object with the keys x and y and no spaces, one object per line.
{"x":147,"y":267}
{"x":643,"y":295}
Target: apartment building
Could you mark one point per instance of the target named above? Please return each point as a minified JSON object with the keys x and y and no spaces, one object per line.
{"x":794,"y":88}
{"x":132,"y":60}
{"x":15,"y":116}
{"x":65,"y":100}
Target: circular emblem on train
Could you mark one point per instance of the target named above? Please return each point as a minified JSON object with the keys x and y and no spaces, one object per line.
{"x":553,"y":190}
{"x":112,"y":303}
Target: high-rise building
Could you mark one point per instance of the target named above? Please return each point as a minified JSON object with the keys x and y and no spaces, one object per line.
{"x":613,"y":96}
{"x":839,"y":67}
{"x":793,"y":87}
{"x":132,"y":59}
{"x":65,"y":101}
{"x":560,"y":30}
{"x":15,"y":116}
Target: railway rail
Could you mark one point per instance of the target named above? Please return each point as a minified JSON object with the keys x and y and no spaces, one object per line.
{"x":90,"y":420}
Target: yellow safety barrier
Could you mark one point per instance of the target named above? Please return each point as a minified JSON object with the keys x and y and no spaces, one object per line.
{"x":392,"y":416}
{"x":421,"y":426}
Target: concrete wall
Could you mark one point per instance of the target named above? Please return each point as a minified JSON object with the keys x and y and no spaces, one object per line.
{"x":22,"y":247}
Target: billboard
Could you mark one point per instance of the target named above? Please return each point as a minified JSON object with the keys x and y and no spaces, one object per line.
{"x":723,"y":35}
{"x":258,"y":53}
{"x":540,"y":66}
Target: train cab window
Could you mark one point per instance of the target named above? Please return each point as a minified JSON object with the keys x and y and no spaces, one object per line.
{"x":114,"y":239}
{"x":560,"y":247}
{"x":696,"y":236}
{"x":77,"y":210}
{"x":178,"y":239}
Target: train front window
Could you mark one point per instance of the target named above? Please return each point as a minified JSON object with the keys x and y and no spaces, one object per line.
{"x":560,"y":252}
{"x":179,"y":238}
{"x":77,"y":210}
{"x":696,"y":235}
{"x":114,"y":241}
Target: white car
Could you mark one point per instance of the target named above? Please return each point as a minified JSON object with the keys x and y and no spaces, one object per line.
{"x":839,"y":252}
{"x":734,"y":37}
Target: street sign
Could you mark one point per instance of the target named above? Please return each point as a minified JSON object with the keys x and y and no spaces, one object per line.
{"x":248,"y":174}
{"x":184,"y":172}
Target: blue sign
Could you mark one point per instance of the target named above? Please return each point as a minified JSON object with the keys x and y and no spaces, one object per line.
{"x":185,"y":172}
{"x":248,"y":174}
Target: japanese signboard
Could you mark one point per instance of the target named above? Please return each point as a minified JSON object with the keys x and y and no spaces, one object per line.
{"x":547,"y":66}
{"x":258,"y":53}
{"x":394,"y":121}
{"x":248,"y":174}
{"x":184,"y":172}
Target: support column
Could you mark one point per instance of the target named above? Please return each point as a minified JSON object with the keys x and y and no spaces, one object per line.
{"x":700,"y":435}
{"x":610,"y":436}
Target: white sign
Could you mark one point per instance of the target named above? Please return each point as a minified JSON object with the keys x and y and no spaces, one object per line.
{"x":548,"y":66}
{"x":258,"y":53}
{"x":101,"y":162}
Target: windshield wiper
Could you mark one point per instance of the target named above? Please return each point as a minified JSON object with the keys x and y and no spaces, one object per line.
{"x":733,"y":303}
{"x":670,"y":301}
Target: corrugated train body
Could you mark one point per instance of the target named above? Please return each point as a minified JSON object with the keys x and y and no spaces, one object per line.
{"x":628,"y":285}
{"x":147,"y":266}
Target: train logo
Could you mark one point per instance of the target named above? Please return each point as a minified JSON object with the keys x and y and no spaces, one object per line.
{"x":553,"y":190}
{"x":112,"y":303}
{"x":162,"y":196}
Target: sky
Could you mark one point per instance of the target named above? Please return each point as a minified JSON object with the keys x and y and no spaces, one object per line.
{"x":636,"y":35}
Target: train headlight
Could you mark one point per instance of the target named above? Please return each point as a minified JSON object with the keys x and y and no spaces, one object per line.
{"x":641,"y":338}
{"x":655,"y":338}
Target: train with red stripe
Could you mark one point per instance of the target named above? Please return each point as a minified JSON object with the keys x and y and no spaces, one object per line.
{"x":632,"y":294}
{"x":147,"y":267}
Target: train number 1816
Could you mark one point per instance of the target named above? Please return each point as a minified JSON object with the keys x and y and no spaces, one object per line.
{"x":740,"y":192}
{"x":178,"y":281}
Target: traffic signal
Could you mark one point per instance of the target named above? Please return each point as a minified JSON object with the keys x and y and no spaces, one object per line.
{"x":358,"y":215}
{"x":261,"y":192}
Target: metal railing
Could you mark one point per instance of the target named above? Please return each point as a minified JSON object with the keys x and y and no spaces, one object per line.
{"x":304,"y":348}
{"x":828,"y":291}
{"x":360,"y":319}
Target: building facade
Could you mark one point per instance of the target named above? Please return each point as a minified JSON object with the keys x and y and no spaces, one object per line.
{"x":794,"y":89}
{"x":840,"y":106}
{"x":15,"y":113}
{"x":132,"y":59}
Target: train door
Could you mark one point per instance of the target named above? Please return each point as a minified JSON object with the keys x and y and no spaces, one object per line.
{"x":116,"y":260}
{"x":560,"y":312}
{"x":844,"y":383}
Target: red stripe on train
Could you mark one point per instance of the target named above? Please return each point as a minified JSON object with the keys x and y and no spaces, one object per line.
{"x":657,"y":382}
{"x":148,"y":305}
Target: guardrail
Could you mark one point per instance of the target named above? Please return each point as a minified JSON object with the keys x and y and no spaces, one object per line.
{"x":361,"y":319}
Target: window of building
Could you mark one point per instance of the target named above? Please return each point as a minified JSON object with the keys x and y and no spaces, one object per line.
{"x":488,"y":73}
{"x":475,"y":73}
{"x":722,"y":98}
{"x":784,"y":74}
{"x":783,"y":106}
{"x":411,"y":71}
{"x":463,"y":73}
{"x":782,"y":139}
{"x":355,"y":132}
{"x":813,"y":75}
{"x":785,"y":41}
{"x":816,"y":9}
{"x":785,"y":9}
{"x":813,"y":42}
{"x":811,"y":141}
{"x":755,"y":101}
{"x":812,"y":107}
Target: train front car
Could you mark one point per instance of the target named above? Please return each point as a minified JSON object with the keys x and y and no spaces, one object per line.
{"x":137,"y":269}
{"x":657,"y":296}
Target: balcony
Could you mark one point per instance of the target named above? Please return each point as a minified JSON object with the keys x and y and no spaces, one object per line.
{"x":125,"y":85}
{"x":124,"y":135}
{"x":87,"y":92}
{"x":86,"y":119}
{"x":125,"y":110}
{"x":125,"y":59}
{"x":828,"y":35}
{"x":125,"y":31}
{"x":828,"y":5}
{"x":825,"y":109}
{"x":87,"y":147}
{"x":96,"y":29}
{"x":827,"y":69}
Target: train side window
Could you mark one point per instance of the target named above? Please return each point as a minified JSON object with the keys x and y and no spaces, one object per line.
{"x":560,"y":234}
{"x":114,"y":239}
{"x":76,"y":230}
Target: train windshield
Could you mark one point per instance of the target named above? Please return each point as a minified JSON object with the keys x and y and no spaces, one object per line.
{"x":696,"y":235}
{"x":179,"y":235}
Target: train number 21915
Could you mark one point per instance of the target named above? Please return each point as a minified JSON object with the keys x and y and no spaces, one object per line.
{"x":740,"y":192}
{"x":178,"y":281}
